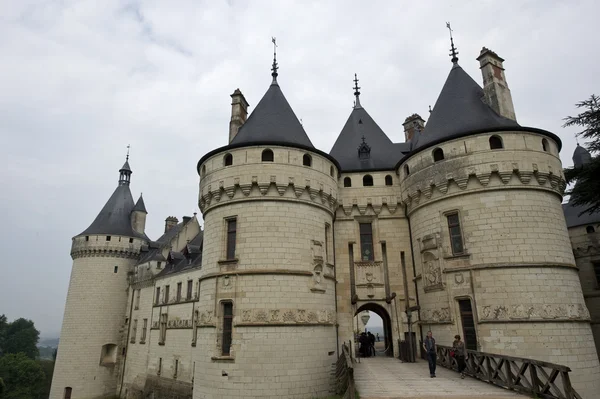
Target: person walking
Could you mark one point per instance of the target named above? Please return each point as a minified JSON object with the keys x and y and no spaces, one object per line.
{"x":371,"y":343}
{"x":377,"y":337}
{"x":460,"y":354}
{"x":430,"y":350}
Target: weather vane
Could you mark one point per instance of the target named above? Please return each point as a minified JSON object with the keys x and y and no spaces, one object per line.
{"x":356,"y":92}
{"x":127,"y":158}
{"x":275,"y":67}
{"x":453,"y":51}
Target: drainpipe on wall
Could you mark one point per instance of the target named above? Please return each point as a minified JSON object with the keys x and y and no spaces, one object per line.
{"x":126,"y":342}
{"x":412,"y":255}
{"x":337,"y":324}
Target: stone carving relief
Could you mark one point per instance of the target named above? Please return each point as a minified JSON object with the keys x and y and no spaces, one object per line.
{"x":431,"y":270}
{"x":317,"y":279}
{"x":441,"y":315}
{"x":459,"y":279}
{"x":205,"y":318}
{"x":287,"y":316}
{"x":317,"y":250}
{"x":534,"y":312}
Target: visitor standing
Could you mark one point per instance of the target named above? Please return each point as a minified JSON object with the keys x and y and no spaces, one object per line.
{"x":460,"y":354}
{"x":430,"y":350}
{"x":377,"y":337}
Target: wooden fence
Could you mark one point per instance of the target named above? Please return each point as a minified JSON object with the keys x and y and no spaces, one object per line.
{"x":344,"y":374}
{"x":531,"y":377}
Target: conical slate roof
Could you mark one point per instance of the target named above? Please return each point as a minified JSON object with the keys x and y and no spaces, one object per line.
{"x":114,"y":218}
{"x":273,"y":120}
{"x":581,"y":156}
{"x":140,"y":206}
{"x":459,"y":110}
{"x":383,"y":154}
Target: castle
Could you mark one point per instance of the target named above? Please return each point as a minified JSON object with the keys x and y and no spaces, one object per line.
{"x":459,"y":229}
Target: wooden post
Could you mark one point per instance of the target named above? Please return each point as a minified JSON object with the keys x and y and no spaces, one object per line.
{"x":535,"y":382}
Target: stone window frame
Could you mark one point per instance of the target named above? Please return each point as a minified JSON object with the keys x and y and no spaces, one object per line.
{"x":179,"y":290}
{"x":166,"y":294}
{"x":220,"y":330}
{"x":133,"y":331}
{"x":545,"y":145}
{"x":225,"y":259}
{"x":389,"y":180}
{"x":347,"y":181}
{"x":189,"y":294}
{"x":227,"y":159}
{"x":406,"y":171}
{"x":162,"y":328}
{"x":137,"y":299}
{"x":144,"y":331}
{"x":447,"y":242}
{"x":307,"y":160}
{"x":496,"y":142}
{"x":437,"y":154}
{"x":328,"y":242}
{"x":157,"y":296}
{"x":267,"y":155}
{"x":195,"y":317}
{"x":374,"y":233}
{"x":368,"y":181}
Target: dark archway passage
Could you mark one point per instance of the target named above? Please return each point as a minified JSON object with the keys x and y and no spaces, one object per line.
{"x":387,"y":324}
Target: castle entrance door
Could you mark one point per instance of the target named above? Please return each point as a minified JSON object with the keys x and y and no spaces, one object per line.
{"x":386,"y":338}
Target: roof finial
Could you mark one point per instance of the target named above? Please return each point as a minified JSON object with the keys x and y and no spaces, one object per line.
{"x":275,"y":67}
{"x":453,"y":51}
{"x":430,"y":109}
{"x":127,"y":157}
{"x":356,"y":93}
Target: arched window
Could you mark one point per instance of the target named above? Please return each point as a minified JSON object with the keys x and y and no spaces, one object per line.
{"x":367,"y":180}
{"x":228,"y":160}
{"x":331,"y":171}
{"x":203,"y":171}
{"x":496,"y":143}
{"x":438,"y":155}
{"x":307,"y":160}
{"x":68,"y":392}
{"x":406,"y":170}
{"x":545,"y":145}
{"x":347,"y":182}
{"x":590,"y":229}
{"x":388,"y":180}
{"x":267,"y":156}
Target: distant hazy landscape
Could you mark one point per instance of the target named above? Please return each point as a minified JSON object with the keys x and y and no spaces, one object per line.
{"x":47,"y":346}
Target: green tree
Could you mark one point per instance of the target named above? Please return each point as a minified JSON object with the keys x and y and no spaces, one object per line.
{"x":3,"y":325}
{"x":48,"y":369}
{"x":23,"y":377}
{"x":20,"y":336}
{"x":586,"y":192}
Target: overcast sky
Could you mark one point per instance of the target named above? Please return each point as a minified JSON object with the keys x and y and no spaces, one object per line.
{"x":80,"y":80}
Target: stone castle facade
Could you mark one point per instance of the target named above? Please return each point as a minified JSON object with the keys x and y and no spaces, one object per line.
{"x":457,"y":230}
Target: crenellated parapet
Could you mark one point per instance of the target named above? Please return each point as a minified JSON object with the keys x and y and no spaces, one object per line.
{"x":98,"y":246}
{"x":379,"y":206}
{"x":470,"y":165}
{"x":292,"y":175}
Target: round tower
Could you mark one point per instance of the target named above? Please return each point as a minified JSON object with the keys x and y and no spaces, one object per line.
{"x":91,"y":344}
{"x":266,"y":317}
{"x":493,"y":258}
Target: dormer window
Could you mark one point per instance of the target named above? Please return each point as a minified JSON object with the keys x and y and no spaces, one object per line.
{"x":438,"y":155}
{"x":364,"y":151}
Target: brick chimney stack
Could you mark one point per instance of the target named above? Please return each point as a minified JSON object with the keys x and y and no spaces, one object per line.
{"x":170,"y":222}
{"x":497,"y":93}
{"x":239,"y":113}
{"x":413,"y":125}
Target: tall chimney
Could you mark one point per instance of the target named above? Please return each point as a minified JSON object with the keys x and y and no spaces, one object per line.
{"x":497,"y":93}
{"x":239,"y":113}
{"x":413,"y":125}
{"x":170,"y":222}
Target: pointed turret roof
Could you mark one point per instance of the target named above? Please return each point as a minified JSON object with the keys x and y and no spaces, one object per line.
{"x":360,"y":129}
{"x":140,"y":206}
{"x":581,"y":156}
{"x":114,"y":218}
{"x":383,"y":153}
{"x":459,"y":110}
{"x":273,"y":120}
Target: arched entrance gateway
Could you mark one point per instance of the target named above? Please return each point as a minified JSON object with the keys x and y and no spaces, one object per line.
{"x":387,"y":325}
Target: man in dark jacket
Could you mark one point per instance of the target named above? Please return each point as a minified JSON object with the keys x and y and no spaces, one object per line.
{"x":430,"y":349}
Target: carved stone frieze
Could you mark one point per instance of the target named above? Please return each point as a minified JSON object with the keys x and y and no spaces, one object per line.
{"x":441,"y":315}
{"x":369,"y":273}
{"x":319,"y":196}
{"x":534,"y":312}
{"x":376,"y":205}
{"x":286,"y":316}
{"x":509,"y":173}
{"x":587,"y":251}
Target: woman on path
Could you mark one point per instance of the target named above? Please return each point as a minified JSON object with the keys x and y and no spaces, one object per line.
{"x":460,"y":354}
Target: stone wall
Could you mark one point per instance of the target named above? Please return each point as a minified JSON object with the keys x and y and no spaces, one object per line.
{"x":94,"y":317}
{"x":586,"y":248}
{"x":517,"y":268}
{"x":280,"y":283}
